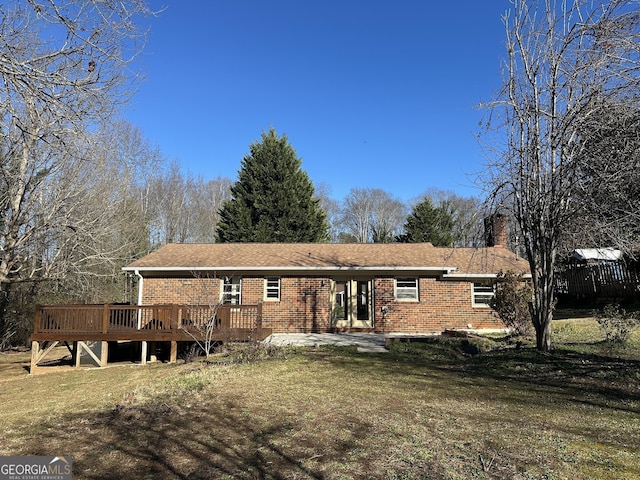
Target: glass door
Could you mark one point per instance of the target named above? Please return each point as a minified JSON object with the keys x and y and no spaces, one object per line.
{"x":352,"y":300}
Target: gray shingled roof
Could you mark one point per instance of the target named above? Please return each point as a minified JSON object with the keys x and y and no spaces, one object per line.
{"x":329,"y":256}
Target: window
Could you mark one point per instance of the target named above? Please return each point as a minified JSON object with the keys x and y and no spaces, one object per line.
{"x":407,"y":289}
{"x":340,"y":307}
{"x":483,"y":294}
{"x":272,"y":288}
{"x":231,"y":290}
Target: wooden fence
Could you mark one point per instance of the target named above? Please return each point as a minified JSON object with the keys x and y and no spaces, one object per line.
{"x":603,"y":280}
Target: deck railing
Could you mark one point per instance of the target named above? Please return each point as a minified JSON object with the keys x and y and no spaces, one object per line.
{"x":132,"y":321}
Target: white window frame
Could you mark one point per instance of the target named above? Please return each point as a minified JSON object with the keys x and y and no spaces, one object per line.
{"x":272,"y":287}
{"x":482,"y":293}
{"x":232,"y":290}
{"x":405,"y":292}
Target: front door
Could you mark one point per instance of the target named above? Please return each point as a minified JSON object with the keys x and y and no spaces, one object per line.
{"x":352,"y":301}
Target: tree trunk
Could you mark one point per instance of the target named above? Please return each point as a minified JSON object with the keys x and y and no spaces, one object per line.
{"x":543,"y":305}
{"x":5,"y":288}
{"x":543,"y":334}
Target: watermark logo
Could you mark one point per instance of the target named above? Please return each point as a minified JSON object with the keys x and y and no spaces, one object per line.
{"x":35,"y":468}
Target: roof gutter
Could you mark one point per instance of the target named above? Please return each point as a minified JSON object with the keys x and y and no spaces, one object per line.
{"x":476,"y":275}
{"x":347,"y":268}
{"x":140,"y":287}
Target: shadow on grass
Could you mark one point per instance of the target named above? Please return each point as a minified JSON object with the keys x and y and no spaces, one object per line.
{"x":573,"y":313}
{"x":572,"y":376}
{"x":215,"y":438}
{"x":223,"y":434}
{"x":593,"y":379}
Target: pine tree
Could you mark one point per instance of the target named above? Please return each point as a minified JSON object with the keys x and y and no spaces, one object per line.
{"x":427,"y":223}
{"x":273,"y":199}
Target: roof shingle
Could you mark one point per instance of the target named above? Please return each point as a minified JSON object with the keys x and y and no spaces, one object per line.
{"x":323,"y":256}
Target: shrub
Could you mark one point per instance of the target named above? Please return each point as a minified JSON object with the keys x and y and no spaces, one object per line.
{"x":616,"y":323}
{"x":249,"y":352}
{"x":511,"y":302}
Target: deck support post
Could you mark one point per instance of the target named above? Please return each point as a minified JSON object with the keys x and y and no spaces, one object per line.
{"x":173,"y":355}
{"x":75,"y":354}
{"x":153,"y":351}
{"x":78,"y":353}
{"x":102,"y":351}
{"x":104,"y":354}
{"x":39,"y":351}
{"x":143,"y":356}
{"x":35,"y":352}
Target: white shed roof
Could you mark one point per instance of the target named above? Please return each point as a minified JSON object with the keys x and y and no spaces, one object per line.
{"x":603,"y":254}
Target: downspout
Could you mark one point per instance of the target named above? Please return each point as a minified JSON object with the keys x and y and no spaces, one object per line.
{"x":140,"y":285}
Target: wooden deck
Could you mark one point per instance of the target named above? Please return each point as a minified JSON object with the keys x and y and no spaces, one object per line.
{"x":87,"y":325}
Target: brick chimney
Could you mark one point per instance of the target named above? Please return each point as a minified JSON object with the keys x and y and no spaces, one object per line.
{"x":495,"y":230}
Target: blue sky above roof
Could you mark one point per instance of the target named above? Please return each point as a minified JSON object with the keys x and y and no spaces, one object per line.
{"x":370,"y":93}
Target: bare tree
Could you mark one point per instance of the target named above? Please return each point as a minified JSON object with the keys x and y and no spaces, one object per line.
{"x":608,"y":186}
{"x":331,"y":208}
{"x":88,"y":227}
{"x":372,"y":215}
{"x":108,"y":224}
{"x":565,"y":59}
{"x":357,"y":212}
{"x":184,"y":209}
{"x":64,"y":68}
{"x":388,"y":215}
{"x":205,"y":201}
{"x":466,"y":213}
{"x":171,"y":216}
{"x":203,"y":324}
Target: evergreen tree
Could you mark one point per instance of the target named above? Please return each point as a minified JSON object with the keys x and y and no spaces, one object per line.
{"x":427,"y":223}
{"x":273,"y":199}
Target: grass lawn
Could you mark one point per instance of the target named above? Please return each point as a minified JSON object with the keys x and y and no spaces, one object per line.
{"x":424,"y":410}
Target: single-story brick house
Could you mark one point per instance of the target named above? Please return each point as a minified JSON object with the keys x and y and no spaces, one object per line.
{"x":322,"y":287}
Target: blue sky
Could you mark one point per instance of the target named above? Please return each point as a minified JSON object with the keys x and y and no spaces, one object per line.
{"x":375,"y":94}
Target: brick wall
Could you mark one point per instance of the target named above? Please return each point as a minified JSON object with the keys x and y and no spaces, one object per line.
{"x":305,"y":303}
{"x":304,"y":306}
{"x":443,"y":305}
{"x":194,"y":291}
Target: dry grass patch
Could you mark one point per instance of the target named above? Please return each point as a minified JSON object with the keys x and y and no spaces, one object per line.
{"x":14,"y":363}
{"x":422,"y":411}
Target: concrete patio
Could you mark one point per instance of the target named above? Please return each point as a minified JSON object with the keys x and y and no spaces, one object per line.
{"x":366,"y":342}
